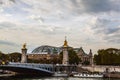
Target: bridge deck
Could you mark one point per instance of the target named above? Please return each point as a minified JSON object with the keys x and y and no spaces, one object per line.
{"x":29,"y":69}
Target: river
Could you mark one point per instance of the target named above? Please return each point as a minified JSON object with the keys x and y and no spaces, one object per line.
{"x":57,"y":78}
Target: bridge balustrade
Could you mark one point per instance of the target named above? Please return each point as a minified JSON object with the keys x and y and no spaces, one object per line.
{"x":48,"y":67}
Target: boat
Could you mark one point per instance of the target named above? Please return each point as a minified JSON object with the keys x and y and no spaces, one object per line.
{"x":85,"y":75}
{"x":59,"y":74}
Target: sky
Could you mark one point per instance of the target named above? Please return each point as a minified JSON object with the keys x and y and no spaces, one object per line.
{"x":90,"y":24}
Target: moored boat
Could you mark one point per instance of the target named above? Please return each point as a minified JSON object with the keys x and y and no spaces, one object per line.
{"x":56,"y":74}
{"x":84,"y":75}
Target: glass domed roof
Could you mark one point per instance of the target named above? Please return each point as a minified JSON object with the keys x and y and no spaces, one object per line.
{"x":45,"y":49}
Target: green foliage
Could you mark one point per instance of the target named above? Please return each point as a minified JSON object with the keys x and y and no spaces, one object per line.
{"x":14,"y":57}
{"x":86,"y":63}
{"x":73,"y":58}
{"x":61,"y":57}
{"x":3,"y":57}
{"x":110,"y":56}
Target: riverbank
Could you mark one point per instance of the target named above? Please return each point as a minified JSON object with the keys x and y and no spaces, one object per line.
{"x":6,"y":75}
{"x":112,"y":75}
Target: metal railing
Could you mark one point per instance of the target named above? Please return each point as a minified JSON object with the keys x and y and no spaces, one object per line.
{"x":46,"y":67}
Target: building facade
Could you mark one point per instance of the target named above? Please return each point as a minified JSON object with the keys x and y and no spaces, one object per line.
{"x":84,"y":56}
{"x":42,"y":56}
{"x":46,"y":52}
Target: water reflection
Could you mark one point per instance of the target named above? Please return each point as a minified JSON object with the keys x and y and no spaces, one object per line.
{"x":51,"y":78}
{"x":56,"y":78}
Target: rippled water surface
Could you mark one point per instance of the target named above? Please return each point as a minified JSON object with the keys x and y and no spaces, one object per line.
{"x":58,"y":78}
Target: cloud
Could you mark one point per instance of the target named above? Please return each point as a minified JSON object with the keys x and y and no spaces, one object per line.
{"x":6,"y":3}
{"x":84,"y":21}
{"x":65,"y":7}
{"x":107,"y":29}
{"x":37,"y":18}
{"x":4,"y":25}
{"x":53,"y":30}
{"x":13,"y":1}
{"x":96,"y":6}
{"x":114,"y":38}
{"x":72,"y":7}
{"x":3,"y":42}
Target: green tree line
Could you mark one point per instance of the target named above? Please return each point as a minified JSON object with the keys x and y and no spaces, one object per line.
{"x":11,"y":57}
{"x":110,"y":56}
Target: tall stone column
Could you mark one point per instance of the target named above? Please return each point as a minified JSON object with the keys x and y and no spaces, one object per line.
{"x":91,"y":57}
{"x":65,"y":53}
{"x":24,"y":54}
{"x":65,"y":56}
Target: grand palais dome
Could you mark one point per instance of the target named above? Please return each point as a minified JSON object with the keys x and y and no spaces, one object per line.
{"x":45,"y":49}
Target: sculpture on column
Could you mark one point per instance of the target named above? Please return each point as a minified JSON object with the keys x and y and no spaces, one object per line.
{"x":24,"y":54}
{"x":65,"y":53}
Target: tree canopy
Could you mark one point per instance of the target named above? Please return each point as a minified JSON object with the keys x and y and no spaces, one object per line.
{"x":11,"y":57}
{"x":110,"y":56}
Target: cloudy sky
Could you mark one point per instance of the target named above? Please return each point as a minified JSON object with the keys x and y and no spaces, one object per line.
{"x":92,"y":24}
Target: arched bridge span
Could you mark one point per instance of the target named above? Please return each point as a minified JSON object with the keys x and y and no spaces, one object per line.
{"x":29,"y":68}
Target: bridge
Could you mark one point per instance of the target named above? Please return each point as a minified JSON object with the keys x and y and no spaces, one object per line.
{"x":29,"y":69}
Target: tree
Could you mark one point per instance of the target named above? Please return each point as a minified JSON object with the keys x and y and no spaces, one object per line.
{"x":3,"y":57}
{"x":110,"y":56}
{"x":86,"y":63}
{"x":14,"y":57}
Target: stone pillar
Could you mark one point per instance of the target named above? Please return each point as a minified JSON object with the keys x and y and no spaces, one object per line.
{"x":65,"y":53}
{"x":24,"y":54}
{"x":65,"y":56}
{"x":91,"y":57}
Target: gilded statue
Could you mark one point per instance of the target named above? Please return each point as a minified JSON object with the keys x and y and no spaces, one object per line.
{"x":65,"y":42}
{"x":24,"y":46}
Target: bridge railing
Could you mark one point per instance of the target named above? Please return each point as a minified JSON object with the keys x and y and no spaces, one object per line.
{"x":48,"y":67}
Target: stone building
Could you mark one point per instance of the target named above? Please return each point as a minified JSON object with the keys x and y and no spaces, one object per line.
{"x":42,"y":56}
{"x":84,"y":56}
{"x":46,"y":52}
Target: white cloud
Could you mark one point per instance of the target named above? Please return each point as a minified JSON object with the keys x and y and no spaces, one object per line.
{"x":88,"y":23}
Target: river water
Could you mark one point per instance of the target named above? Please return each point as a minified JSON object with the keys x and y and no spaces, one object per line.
{"x":58,"y":78}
